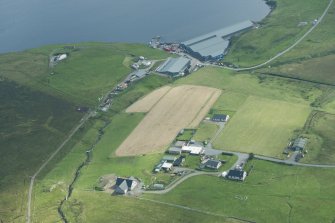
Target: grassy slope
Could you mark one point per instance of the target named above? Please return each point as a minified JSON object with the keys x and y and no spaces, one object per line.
{"x":36,"y":118}
{"x":321,"y":146}
{"x":318,"y":69}
{"x":32,"y":126}
{"x":277,"y":32}
{"x":272,"y":193}
{"x":263,"y":126}
{"x":313,"y":58}
{"x":103,"y":162}
{"x":91,"y":69}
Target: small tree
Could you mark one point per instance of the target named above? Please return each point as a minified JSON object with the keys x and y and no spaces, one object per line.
{"x":251,"y":156}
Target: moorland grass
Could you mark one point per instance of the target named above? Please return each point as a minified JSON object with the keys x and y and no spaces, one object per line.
{"x":92,"y":69}
{"x":32,"y":124}
{"x":276,"y":33}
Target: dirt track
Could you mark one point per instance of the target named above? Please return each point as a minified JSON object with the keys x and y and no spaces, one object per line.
{"x":180,"y":107}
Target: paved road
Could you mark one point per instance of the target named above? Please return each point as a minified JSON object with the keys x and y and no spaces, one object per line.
{"x":293,"y":162}
{"x":176,"y":183}
{"x":286,"y":50}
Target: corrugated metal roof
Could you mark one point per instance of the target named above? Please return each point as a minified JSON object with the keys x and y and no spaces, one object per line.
{"x":213,"y":44}
{"x":213,"y":47}
{"x":300,"y":143}
{"x":173,"y":65}
{"x":221,"y":32}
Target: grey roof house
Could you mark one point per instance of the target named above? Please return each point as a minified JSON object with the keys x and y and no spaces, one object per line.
{"x":237,"y":175}
{"x":123,"y":185}
{"x":213,"y":164}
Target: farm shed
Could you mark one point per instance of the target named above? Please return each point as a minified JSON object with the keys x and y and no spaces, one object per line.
{"x":167,"y":166}
{"x":237,"y":175}
{"x":174,"y":150}
{"x":179,"y":144}
{"x":213,"y":45}
{"x":169,"y":159}
{"x":213,"y":164}
{"x":220,"y":118}
{"x":174,"y":66}
{"x":299,"y":144}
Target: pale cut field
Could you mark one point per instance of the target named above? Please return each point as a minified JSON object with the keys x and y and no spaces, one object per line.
{"x":262,"y":126}
{"x":181,"y":107}
{"x":147,"y":102}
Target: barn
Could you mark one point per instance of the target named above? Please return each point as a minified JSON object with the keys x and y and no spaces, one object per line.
{"x":174,"y":66}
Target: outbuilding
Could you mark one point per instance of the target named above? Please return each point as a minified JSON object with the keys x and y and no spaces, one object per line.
{"x":299,"y":144}
{"x":169,"y":159}
{"x":174,"y":150}
{"x":236,"y":174}
{"x":220,"y":118}
{"x":174,"y":66}
{"x":213,"y":164}
{"x":167,"y":166}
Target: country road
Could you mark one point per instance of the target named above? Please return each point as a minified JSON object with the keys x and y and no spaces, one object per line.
{"x":282,"y":52}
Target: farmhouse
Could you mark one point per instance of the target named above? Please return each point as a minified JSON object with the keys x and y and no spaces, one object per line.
{"x":174,"y":150}
{"x":193,"y":149}
{"x":167,"y":166}
{"x":213,"y":46}
{"x":180,"y":161}
{"x":220,"y":118}
{"x":212,"y":164}
{"x":299,"y":144}
{"x":236,"y":175}
{"x":174,"y":66}
{"x":123,"y":185}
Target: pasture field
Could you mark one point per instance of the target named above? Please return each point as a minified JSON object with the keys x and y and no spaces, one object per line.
{"x":182,"y":107}
{"x":262,"y":126}
{"x":277,"y":32}
{"x":205,"y":131}
{"x":271,"y":193}
{"x":92,"y":69}
{"x":321,"y":140}
{"x":103,"y":208}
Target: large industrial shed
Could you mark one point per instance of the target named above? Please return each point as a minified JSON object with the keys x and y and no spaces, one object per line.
{"x":213,"y":46}
{"x":174,"y":66}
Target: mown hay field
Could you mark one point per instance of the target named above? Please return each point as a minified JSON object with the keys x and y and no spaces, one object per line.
{"x":183,"y":106}
{"x":262,"y":126}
